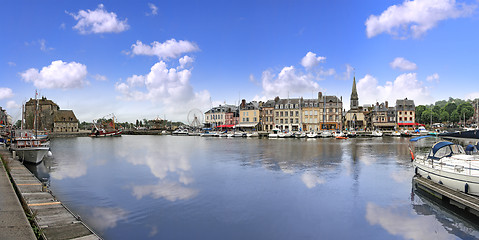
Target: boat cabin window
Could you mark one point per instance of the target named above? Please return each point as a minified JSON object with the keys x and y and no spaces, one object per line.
{"x":447,"y":151}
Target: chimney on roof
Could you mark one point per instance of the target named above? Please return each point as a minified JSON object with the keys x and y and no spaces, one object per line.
{"x":320,"y":95}
{"x":276,"y":99}
{"x":386,"y":102}
{"x":243,"y":103}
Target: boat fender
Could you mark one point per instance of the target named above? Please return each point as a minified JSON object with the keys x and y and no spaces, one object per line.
{"x":466,"y":188}
{"x":428,"y":177}
{"x":440,"y":182}
{"x":415,"y":171}
{"x":49,"y":154}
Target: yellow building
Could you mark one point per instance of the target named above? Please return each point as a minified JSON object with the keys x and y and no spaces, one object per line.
{"x":311,"y":115}
{"x":249,"y":116}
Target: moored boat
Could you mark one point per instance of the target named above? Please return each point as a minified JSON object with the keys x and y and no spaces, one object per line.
{"x":449,"y":165}
{"x":105,"y":128}
{"x":30,"y":149}
{"x":274,"y":134}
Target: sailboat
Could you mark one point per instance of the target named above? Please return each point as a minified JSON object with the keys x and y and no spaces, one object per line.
{"x":27,"y":145}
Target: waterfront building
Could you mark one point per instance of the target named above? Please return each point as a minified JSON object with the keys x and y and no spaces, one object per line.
{"x":311,"y":115}
{"x":383,"y":117}
{"x":331,"y":110}
{"x":232,"y":118}
{"x":406,"y":114}
{"x":267,"y":115}
{"x":287,"y":114}
{"x":47,"y":113}
{"x":249,"y":116}
{"x":3,"y":116}
{"x":216,"y":116}
{"x":65,"y":121}
{"x":355,"y":118}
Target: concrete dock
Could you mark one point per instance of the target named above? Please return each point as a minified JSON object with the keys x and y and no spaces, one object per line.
{"x":468,"y":203}
{"x":13,"y":221}
{"x":53,"y":219}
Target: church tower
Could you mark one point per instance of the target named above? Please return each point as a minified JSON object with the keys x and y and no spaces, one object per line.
{"x":354,"y":96}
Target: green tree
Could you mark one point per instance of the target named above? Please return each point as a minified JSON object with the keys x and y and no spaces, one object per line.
{"x":454,"y":117}
{"x":18,"y":124}
{"x":444,"y":116}
{"x":426,"y":116}
{"x":465,"y":110}
{"x":437,"y":110}
{"x":450,"y":107}
{"x":419,"y":111}
{"x":137,"y":123}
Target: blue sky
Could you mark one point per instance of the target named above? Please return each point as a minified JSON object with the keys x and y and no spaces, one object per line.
{"x":143,"y":59}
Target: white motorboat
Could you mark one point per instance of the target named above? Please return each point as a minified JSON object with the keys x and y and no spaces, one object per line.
{"x":449,"y":165}
{"x":299,"y":134}
{"x":29,"y":149}
{"x":396,"y":134}
{"x":253,"y":134}
{"x":274,"y":134}
{"x":312,"y":135}
{"x":338,"y":134}
{"x":377,"y":133}
{"x":240,"y":134}
{"x":326,"y":134}
{"x":422,"y":131}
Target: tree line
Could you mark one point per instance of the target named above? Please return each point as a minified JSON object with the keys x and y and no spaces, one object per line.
{"x":454,"y":111}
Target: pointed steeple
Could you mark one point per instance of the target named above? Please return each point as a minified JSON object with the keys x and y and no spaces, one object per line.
{"x":354,"y":96}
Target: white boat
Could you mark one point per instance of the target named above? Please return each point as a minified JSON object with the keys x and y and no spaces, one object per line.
{"x":209,"y":134}
{"x":285,"y":135}
{"x":326,"y":134}
{"x":422,"y":131}
{"x":274,"y":134}
{"x":338,"y":134}
{"x":299,"y":134}
{"x":240,"y":134}
{"x":377,"y":133}
{"x":254,"y":134}
{"x":312,"y":135}
{"x":396,"y":134}
{"x":449,"y":165}
{"x":30,"y":149}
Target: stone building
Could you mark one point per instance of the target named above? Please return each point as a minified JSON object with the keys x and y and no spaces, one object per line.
{"x":331,"y":112}
{"x":46,"y":111}
{"x":216,"y":116}
{"x":383,"y":117}
{"x":65,"y":121}
{"x":49,"y":116}
{"x":249,"y":117}
{"x":267,"y":116}
{"x":287,"y":114}
{"x":355,"y":118}
{"x":311,"y":115}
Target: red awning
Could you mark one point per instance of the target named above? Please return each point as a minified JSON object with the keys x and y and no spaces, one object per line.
{"x":410,"y":124}
{"x":225,"y":126}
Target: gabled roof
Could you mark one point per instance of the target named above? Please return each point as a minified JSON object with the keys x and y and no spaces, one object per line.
{"x":64,"y":116}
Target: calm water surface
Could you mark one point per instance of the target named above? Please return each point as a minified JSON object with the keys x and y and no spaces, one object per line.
{"x":175,"y":187}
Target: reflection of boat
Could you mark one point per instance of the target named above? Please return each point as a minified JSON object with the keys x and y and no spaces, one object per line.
{"x":449,"y":165}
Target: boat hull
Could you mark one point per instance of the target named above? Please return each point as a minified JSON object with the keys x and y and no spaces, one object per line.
{"x":31,"y":154}
{"x":106,"y":134}
{"x":452,"y":180}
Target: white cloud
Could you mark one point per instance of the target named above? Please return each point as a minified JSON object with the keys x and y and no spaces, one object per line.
{"x":287,"y":81}
{"x":99,"y":77}
{"x":433,"y":78}
{"x":6,"y":93}
{"x":311,"y":180}
{"x":153,"y":9}
{"x":185,"y":61}
{"x":414,"y":18}
{"x":105,"y":218}
{"x":171,"y":191}
{"x":403,"y":64}
{"x":62,"y":26}
{"x":398,"y":223}
{"x":12,"y":105}
{"x":43,"y":45}
{"x":169,"y":87}
{"x":472,"y":96}
{"x":12,"y":64}
{"x":405,"y":85}
{"x":310,"y":60}
{"x":58,"y":75}
{"x":347,"y":74}
{"x":169,"y":49}
{"x":98,"y":21}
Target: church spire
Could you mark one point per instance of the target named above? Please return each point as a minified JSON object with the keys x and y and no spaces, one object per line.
{"x":354,"y":96}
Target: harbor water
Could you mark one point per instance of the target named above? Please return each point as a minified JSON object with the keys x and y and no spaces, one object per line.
{"x":180,"y":187}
